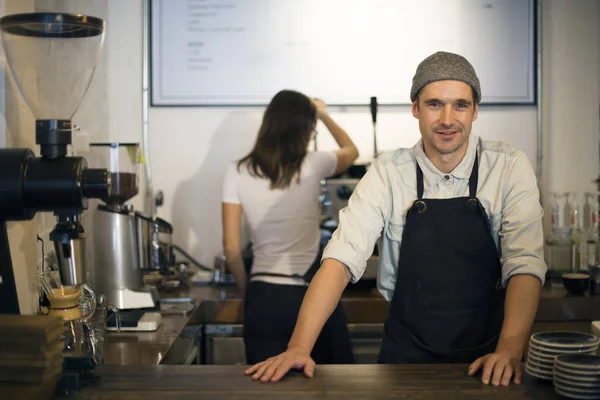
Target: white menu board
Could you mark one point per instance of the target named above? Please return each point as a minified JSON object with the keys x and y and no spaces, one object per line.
{"x":241,"y":52}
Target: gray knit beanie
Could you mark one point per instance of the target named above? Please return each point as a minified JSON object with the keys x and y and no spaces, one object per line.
{"x":443,"y":66}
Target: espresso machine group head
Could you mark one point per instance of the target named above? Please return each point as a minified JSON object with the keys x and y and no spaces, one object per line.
{"x":52,"y":58}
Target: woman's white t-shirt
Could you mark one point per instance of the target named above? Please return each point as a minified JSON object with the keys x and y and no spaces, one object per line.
{"x":284,"y":223}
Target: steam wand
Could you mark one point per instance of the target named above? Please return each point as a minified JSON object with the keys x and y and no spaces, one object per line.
{"x":374,"y":118}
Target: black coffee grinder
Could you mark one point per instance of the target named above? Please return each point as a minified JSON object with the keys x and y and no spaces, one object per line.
{"x":52,"y":58}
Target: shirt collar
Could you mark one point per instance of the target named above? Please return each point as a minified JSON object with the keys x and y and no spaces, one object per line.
{"x":432,"y":175}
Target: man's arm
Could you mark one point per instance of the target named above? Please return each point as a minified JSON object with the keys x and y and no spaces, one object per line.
{"x":521,"y":304}
{"x":522,"y":298}
{"x":523,"y":271}
{"x":360,"y":225}
{"x":319,"y":302}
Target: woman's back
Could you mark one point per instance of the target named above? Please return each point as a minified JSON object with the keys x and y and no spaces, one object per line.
{"x":284,"y":223}
{"x":277,"y":186}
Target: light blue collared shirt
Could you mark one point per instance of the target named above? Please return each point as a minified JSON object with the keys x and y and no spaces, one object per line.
{"x":507,"y":188}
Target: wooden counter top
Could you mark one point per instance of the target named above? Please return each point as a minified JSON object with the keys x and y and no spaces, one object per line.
{"x":346,"y":382}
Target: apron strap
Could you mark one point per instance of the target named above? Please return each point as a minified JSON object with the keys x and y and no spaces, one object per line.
{"x":276,"y":275}
{"x":419,"y":183}
{"x":308,"y":275}
{"x":472,"y":179}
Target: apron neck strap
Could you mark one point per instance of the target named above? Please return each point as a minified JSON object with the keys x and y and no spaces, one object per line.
{"x":419,"y":182}
{"x":472,"y":179}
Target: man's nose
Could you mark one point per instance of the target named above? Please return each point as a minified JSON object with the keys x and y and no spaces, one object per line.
{"x":446,"y":116}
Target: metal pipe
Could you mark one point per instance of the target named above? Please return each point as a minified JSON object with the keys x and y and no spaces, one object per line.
{"x":597,"y":181}
{"x":149,"y":203}
{"x":373,"y":106}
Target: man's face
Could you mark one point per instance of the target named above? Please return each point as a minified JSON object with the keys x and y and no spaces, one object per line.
{"x":445,"y":110}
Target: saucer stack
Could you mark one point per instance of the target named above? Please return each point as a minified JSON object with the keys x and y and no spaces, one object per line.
{"x":577,"y":376}
{"x":544,"y":347}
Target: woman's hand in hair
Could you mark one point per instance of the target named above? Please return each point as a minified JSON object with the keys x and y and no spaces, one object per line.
{"x":321,"y":107}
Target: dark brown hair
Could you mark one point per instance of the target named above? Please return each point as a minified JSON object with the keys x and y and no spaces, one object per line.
{"x":283,"y":139}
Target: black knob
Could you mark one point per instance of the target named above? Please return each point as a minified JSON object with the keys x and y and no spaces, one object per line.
{"x":344,"y":192}
{"x":374,"y":109}
{"x":96,"y":183}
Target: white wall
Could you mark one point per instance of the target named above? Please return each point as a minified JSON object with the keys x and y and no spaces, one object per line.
{"x":572,"y":93}
{"x":190,"y":149}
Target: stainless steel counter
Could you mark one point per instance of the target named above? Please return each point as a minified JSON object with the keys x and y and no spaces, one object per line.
{"x":149,"y":348}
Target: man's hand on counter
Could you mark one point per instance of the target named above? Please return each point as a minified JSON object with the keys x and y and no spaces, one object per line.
{"x":498,"y":368}
{"x":522,"y":299}
{"x":274,"y":368}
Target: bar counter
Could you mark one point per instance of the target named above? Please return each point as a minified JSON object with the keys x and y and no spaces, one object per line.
{"x":348,"y":382}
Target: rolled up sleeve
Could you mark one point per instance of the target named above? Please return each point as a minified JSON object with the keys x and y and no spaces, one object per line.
{"x":361,"y":222}
{"x":521,"y":234}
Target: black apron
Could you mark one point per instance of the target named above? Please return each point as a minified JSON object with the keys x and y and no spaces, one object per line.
{"x":270,"y":315}
{"x":448,"y":303}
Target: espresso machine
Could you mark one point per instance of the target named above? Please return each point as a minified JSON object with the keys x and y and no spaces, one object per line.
{"x":126,"y":243}
{"x":52,"y":58}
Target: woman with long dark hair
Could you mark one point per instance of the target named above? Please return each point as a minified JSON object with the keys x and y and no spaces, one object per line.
{"x":276,"y":188}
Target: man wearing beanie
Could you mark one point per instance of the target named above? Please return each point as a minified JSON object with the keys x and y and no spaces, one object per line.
{"x":461,"y":254}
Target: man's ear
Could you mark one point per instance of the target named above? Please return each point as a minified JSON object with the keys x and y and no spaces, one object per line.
{"x":415,"y":108}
